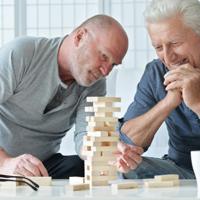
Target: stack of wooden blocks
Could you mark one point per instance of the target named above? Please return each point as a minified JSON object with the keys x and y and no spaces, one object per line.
{"x":168,"y":180}
{"x":100,"y":141}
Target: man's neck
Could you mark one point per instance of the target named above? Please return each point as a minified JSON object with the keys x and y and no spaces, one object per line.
{"x":63,"y":62}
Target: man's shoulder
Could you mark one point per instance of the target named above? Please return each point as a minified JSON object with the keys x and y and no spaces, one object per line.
{"x":25,"y":41}
{"x":155,"y":64}
{"x":30,"y":41}
{"x":156,"y":68}
{"x":20,"y":46}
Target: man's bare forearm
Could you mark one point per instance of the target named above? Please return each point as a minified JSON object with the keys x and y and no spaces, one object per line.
{"x":142,"y":129}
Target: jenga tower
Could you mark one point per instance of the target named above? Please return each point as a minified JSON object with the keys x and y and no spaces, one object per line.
{"x":100,"y":141}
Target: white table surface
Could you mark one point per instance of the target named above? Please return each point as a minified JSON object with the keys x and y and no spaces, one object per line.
{"x":59,"y":190}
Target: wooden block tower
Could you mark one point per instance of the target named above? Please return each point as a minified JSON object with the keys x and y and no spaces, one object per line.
{"x":100,"y":141}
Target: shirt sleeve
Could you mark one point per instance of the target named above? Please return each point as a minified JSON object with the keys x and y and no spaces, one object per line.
{"x":98,"y":89}
{"x":7,"y":75}
{"x":144,"y":100}
{"x":15,"y":56}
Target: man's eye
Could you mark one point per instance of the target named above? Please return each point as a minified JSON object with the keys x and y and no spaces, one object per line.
{"x":158,"y":48}
{"x":175,"y":43}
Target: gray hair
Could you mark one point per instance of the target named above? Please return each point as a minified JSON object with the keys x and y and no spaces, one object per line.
{"x":159,"y":10}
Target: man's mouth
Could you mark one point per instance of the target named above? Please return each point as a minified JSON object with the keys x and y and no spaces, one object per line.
{"x":182,"y":62}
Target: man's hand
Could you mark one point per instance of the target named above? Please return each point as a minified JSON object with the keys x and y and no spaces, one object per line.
{"x":128,"y":157}
{"x":25,"y":165}
{"x":186,"y":78}
{"x":173,"y":98}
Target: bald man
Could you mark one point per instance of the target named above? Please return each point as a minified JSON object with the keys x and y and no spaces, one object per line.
{"x":43,"y":88}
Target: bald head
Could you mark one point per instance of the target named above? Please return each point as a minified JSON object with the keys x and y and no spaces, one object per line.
{"x":104,"y":24}
{"x":101,"y":22}
{"x":92,"y":50}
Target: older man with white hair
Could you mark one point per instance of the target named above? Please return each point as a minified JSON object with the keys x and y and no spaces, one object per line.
{"x":169,"y":91}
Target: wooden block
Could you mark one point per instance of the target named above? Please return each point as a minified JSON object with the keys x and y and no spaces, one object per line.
{"x":99,"y":144}
{"x":157,"y":184}
{"x":99,"y":183}
{"x":9,"y":184}
{"x":103,"y":114}
{"x":98,"y":133}
{"x":124,"y":185}
{"x":106,"y":148}
{"x":102,"y":109}
{"x":91,"y":143}
{"x":105,"y":167}
{"x":102,"y":124}
{"x":81,"y":186}
{"x":102,"y":104}
{"x":42,"y":181}
{"x":102,"y":148}
{"x":100,"y":119}
{"x":88,"y":128}
{"x":99,"y":124}
{"x":102,"y":139}
{"x":167,"y":177}
{"x":101,"y":173}
{"x":103,"y":99}
{"x":100,"y":168}
{"x":89,"y":153}
{"x":95,"y":159}
{"x":103,"y":178}
{"x":110,"y":124}
{"x":76,"y":180}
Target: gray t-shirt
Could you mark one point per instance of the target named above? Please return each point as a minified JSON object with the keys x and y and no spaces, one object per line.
{"x":29,"y":81}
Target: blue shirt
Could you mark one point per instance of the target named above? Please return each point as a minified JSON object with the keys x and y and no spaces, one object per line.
{"x":183,"y":124}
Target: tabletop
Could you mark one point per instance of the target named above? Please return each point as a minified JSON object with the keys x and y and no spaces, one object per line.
{"x":60,"y":191}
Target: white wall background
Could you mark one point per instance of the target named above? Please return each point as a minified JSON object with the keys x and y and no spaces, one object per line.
{"x":53,"y":18}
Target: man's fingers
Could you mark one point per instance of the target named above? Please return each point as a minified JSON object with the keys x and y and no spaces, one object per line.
{"x":134,"y":157}
{"x":133,"y":161}
{"x":137,"y":149}
{"x":31,"y":168}
{"x":21,"y":170}
{"x":122,"y":147}
{"x":174,"y":85}
{"x":172,"y":78}
{"x":122,"y":166}
{"x":37,"y":163}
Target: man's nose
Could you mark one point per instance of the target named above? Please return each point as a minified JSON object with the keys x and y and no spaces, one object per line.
{"x":106,"y":69}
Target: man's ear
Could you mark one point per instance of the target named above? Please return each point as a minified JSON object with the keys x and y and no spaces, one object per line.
{"x":80,"y":35}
